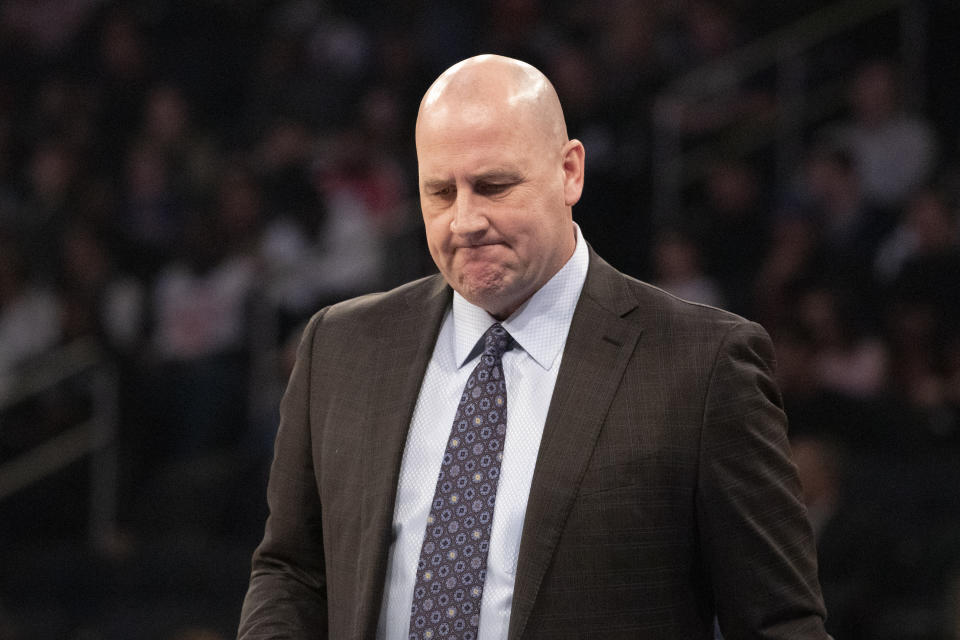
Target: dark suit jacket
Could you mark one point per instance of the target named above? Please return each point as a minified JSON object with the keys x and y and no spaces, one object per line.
{"x":663,"y":492}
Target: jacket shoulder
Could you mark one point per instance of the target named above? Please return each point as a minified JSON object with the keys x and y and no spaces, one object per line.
{"x":372,"y":308}
{"x":655,"y":307}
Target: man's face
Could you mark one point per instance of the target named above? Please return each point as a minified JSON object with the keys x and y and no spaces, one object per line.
{"x":495,"y":192}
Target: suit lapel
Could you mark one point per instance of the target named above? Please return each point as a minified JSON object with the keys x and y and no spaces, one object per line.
{"x":599,"y":345}
{"x":403,"y":345}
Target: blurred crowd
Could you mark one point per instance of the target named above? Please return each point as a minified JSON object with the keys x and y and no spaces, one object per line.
{"x":187,"y":182}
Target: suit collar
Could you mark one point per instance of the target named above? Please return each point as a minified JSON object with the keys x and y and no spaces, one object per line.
{"x":401,"y":349}
{"x":607,"y":287}
{"x":602,"y":338}
{"x":429,"y":296}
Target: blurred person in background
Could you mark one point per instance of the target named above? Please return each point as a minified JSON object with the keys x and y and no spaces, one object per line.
{"x":792,"y":257}
{"x":847,"y":359}
{"x":894,"y":152}
{"x":927,"y":228}
{"x":850,"y":227}
{"x":677,"y":269}
{"x":30,"y":328}
{"x":29,"y":312}
{"x":732,"y":227}
{"x":923,"y":300}
{"x":98,"y":299}
{"x":199,"y":330}
{"x":151,"y":213}
{"x":706,"y":31}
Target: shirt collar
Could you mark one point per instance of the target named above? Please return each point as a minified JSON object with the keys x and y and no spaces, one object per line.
{"x":541,"y":323}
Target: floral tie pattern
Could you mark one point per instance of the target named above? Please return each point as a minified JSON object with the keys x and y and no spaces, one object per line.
{"x":453,"y":558}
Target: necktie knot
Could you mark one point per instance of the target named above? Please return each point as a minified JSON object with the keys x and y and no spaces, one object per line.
{"x":496,"y":341}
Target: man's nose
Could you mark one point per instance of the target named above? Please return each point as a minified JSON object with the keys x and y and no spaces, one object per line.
{"x":469,"y":218}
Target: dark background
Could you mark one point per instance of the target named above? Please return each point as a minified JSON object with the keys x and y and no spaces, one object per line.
{"x":183,"y":183}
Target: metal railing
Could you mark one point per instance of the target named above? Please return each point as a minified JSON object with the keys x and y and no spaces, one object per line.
{"x":95,"y":437}
{"x":796,"y":101}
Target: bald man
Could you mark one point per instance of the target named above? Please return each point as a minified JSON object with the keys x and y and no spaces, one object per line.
{"x":528,"y":444}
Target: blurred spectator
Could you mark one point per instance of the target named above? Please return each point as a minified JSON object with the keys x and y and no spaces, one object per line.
{"x":732,"y":227}
{"x":29,"y":312}
{"x":924,"y":303}
{"x":846,"y":360}
{"x":309,"y":68}
{"x":199,"y":298}
{"x":121,"y":64}
{"x":928,"y":227}
{"x":578,"y":81}
{"x":917,"y":336}
{"x":796,"y":374}
{"x":52,"y":179}
{"x":238,"y":207}
{"x":628,"y":35}
{"x":608,"y":212}
{"x":98,"y":300}
{"x":293,"y":215}
{"x":706,"y":31}
{"x":167,"y":126}
{"x":850,"y":226}
{"x":678,"y":271}
{"x":152,"y":211}
{"x":199,"y":315}
{"x":364,"y":203}
{"x":819,"y":463}
{"x":793,"y":256}
{"x":894,"y":152}
{"x":47,"y":27}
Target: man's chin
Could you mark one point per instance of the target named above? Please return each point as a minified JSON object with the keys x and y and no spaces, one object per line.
{"x":499,"y":300}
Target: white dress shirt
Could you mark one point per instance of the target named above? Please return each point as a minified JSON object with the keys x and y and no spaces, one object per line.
{"x":539,"y":329}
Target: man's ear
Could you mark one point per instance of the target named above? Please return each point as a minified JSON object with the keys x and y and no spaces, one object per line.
{"x":573,"y":158}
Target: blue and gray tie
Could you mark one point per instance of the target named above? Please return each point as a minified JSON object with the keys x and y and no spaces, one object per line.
{"x":453,"y":558}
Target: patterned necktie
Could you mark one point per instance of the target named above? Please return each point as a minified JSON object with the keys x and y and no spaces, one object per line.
{"x":453,"y":558}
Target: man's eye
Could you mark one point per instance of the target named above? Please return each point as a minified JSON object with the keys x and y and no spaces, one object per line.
{"x":488,"y":189}
{"x":443,"y":192}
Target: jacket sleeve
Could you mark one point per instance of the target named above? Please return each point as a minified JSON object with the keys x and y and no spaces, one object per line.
{"x":754,"y":533}
{"x":287,"y":596}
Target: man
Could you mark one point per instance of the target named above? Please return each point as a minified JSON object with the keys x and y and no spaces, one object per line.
{"x":641,"y":476}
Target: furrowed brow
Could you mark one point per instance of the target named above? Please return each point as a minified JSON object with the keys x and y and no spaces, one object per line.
{"x":436,"y":184}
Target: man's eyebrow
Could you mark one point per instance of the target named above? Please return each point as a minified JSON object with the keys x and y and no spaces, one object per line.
{"x":436,"y":184}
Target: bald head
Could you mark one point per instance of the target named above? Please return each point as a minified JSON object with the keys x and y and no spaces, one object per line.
{"x":491,"y":86}
{"x":498,"y":180}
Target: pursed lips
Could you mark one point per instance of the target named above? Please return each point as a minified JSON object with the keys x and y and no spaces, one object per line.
{"x":478,"y":249}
